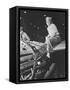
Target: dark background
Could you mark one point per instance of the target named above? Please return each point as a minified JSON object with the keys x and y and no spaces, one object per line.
{"x":34,"y":24}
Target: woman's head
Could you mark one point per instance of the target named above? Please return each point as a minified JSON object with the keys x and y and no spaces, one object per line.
{"x":21,"y":28}
{"x":48,"y":20}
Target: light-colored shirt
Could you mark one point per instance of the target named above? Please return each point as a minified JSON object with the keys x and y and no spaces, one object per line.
{"x":52,"y":30}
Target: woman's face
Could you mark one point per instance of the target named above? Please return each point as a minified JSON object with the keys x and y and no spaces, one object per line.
{"x":21,"y":28}
{"x":48,"y":21}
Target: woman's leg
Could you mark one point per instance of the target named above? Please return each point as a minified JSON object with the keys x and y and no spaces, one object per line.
{"x":49,"y":47}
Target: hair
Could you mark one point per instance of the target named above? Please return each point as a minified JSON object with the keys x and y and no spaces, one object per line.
{"x":49,"y":18}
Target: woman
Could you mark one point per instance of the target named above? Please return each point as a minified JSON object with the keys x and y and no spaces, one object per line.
{"x":23,"y":36}
{"x":53,"y":37}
